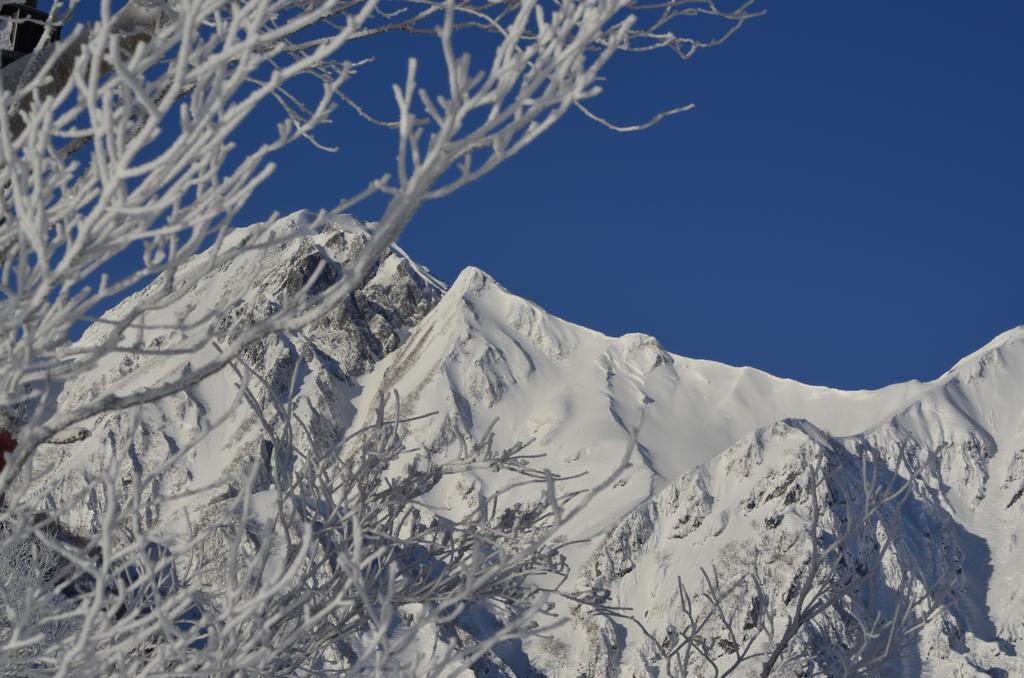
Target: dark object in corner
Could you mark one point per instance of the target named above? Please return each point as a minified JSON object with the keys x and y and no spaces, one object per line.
{"x":7,"y":444}
{"x":21,"y":27}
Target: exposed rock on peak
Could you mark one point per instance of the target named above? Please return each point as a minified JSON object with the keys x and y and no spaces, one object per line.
{"x":719,"y":473}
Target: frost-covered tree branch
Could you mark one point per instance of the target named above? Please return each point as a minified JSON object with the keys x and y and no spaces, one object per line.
{"x":334,"y":567}
{"x":159,"y":93}
{"x":130,"y":146}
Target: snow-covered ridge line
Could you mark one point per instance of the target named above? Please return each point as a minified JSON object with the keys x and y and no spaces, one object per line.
{"x":483,"y":353}
{"x":710,"y":436}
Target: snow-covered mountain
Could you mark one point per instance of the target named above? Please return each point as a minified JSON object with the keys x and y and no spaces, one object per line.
{"x":718,"y":477}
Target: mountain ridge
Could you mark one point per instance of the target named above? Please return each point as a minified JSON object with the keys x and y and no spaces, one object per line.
{"x":490,"y":362}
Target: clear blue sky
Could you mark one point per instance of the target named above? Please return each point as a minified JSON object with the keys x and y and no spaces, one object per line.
{"x":844,"y":207}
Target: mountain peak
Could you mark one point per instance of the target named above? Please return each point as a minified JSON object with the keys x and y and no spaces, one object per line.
{"x":470,"y":281}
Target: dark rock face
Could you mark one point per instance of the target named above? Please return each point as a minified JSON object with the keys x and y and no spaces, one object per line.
{"x":305,"y":270}
{"x":315,"y":369}
{"x":367,"y":325}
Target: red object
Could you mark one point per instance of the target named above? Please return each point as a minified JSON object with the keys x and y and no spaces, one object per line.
{"x":7,"y":444}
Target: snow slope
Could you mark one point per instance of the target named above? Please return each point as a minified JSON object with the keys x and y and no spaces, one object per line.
{"x":710,"y":438}
{"x":483,"y":354}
